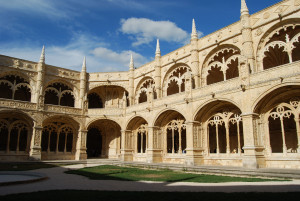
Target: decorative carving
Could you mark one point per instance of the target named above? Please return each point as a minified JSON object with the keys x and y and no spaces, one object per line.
{"x":259,"y":31}
{"x":266,"y":15}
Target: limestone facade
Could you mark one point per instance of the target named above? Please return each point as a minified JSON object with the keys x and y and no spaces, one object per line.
{"x":230,"y":98}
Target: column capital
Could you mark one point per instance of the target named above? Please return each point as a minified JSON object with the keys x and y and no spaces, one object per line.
{"x":153,"y":127}
{"x":192,"y":122}
{"x":250,"y":115}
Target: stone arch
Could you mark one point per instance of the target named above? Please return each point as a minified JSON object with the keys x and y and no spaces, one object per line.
{"x":221,"y":124}
{"x":221,"y":64}
{"x":139,"y":128}
{"x":15,"y":134}
{"x":103,"y":139}
{"x":174,"y":79}
{"x":15,"y":86}
{"x":279,"y":45}
{"x":60,"y":92}
{"x":145,"y":85}
{"x":279,"y":114}
{"x":171,"y":137}
{"x":59,"y":137}
{"x":112,"y":96}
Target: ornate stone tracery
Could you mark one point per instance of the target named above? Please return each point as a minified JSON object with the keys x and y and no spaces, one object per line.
{"x":222,"y":65}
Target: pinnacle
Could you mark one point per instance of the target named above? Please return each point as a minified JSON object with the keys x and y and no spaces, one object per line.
{"x":157,"y":52}
{"x":244,"y":7}
{"x":131,"y":65}
{"x":84,"y":65}
{"x":42,"y":58}
{"x":194,"y":34}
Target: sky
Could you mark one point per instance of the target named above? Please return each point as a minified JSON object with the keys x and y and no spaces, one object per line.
{"x":107,"y":32}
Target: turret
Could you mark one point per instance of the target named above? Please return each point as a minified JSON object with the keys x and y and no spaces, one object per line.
{"x":195,"y":54}
{"x":157,"y":75}
{"x":131,"y":81}
{"x":246,"y":30}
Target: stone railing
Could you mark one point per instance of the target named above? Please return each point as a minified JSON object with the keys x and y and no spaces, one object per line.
{"x":17,"y":104}
{"x":63,"y":109}
{"x":105,"y":112}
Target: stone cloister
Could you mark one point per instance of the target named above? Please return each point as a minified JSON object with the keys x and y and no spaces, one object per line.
{"x":230,"y":98}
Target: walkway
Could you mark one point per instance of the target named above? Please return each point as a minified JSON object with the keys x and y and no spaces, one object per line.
{"x":58,"y":180}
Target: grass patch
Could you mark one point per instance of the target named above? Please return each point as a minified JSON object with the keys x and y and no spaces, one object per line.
{"x":108,"y":172}
{"x":26,"y":166}
{"x":74,"y":195}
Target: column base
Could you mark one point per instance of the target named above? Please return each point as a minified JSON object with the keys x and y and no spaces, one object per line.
{"x":154,"y":156}
{"x":194,"y":157}
{"x":126,"y":155}
{"x":35,"y":154}
{"x":253,"y":157}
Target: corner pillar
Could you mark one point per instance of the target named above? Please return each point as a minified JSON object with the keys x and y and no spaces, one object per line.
{"x":126,"y":145}
{"x":194,"y":147}
{"x":253,"y":154}
{"x":154,"y":151}
{"x":35,"y":148}
{"x":81,"y":145}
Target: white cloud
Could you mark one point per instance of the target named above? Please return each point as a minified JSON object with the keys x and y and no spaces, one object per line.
{"x":99,"y":57}
{"x":146,"y":30}
{"x":41,"y":7}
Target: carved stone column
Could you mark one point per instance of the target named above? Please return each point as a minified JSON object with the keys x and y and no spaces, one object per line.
{"x":154,"y":151}
{"x":194,"y":148}
{"x":253,"y":154}
{"x":35,"y":148}
{"x":126,"y":145}
{"x":82,"y":136}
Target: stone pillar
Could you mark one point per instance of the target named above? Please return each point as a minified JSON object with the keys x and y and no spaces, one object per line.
{"x":81,"y":145}
{"x":194,"y":147}
{"x":247,"y":42}
{"x":126,"y":145}
{"x":154,"y":151}
{"x":35,"y":145}
{"x":253,"y":154}
{"x":195,"y":55}
{"x":157,"y":75}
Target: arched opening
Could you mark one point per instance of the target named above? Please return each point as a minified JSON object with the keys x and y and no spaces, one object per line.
{"x":279,"y":114}
{"x":108,"y":97}
{"x":222,"y":128}
{"x":94,"y":101}
{"x":215,"y":75}
{"x":173,"y":135}
{"x":15,"y":133}
{"x":143,"y":97}
{"x":173,"y":88}
{"x":282,"y":46}
{"x":174,"y":81}
{"x":15,"y":87}
{"x":222,"y":64}
{"x":59,"y":94}
{"x":67,"y":99}
{"x":5,"y":90}
{"x":94,"y":143}
{"x":58,"y":139}
{"x":138,"y":127}
{"x":103,"y":139}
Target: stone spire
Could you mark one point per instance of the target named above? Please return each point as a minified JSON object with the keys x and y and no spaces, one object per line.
{"x":244,"y":8}
{"x":131,"y":65}
{"x":84,"y":65}
{"x":42,"y":58}
{"x":157,"y":52}
{"x":194,"y":34}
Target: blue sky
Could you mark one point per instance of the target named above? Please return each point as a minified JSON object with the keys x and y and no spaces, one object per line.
{"x":108,"y":31}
